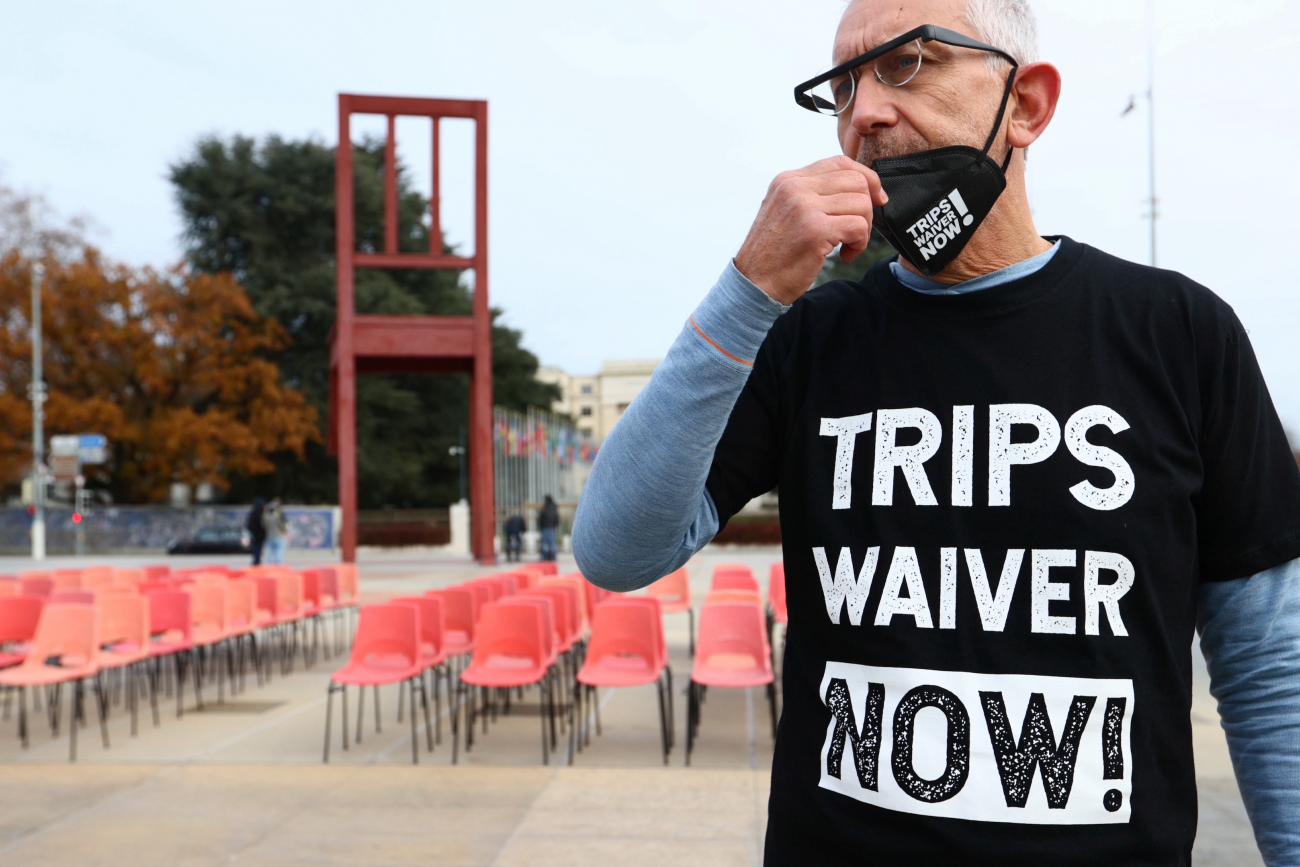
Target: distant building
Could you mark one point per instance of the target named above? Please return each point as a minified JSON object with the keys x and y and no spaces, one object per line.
{"x":597,"y":402}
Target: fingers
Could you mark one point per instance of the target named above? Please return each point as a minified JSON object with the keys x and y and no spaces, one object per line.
{"x":852,"y":233}
{"x":840,"y":174}
{"x":852,"y":204}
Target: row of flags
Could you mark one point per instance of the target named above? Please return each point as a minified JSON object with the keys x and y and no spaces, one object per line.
{"x":527,"y":437}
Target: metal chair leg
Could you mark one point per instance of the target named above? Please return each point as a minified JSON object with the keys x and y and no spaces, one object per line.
{"x":546,"y":760}
{"x":415,"y":741}
{"x":663,"y":719}
{"x":329,"y":715}
{"x":361,"y":709}
{"x":101,"y":699}
{"x":345,"y":718}
{"x":424,"y":703}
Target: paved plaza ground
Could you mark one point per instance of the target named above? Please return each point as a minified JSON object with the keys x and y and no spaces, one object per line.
{"x":242,"y":781}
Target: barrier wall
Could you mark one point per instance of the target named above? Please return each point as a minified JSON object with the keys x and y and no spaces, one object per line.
{"x":129,"y":529}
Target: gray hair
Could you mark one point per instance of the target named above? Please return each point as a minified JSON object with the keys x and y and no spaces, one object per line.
{"x":1005,"y":24}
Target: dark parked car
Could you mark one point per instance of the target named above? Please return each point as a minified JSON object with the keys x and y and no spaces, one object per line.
{"x":214,"y":540}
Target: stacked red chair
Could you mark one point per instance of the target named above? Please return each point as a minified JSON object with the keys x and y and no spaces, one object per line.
{"x":64,"y":650}
{"x":513,"y":648}
{"x":627,"y":650}
{"x":733,"y":654}
{"x":385,"y":652}
{"x":674,"y":594}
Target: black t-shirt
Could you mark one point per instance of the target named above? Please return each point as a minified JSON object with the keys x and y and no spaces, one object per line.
{"x":995,"y":512}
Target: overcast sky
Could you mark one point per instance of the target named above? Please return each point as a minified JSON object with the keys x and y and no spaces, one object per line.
{"x":632,"y":142}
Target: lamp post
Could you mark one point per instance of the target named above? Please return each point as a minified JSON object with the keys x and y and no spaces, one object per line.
{"x":1152,"y":201}
{"x":1151,"y":119}
{"x":38,"y":417}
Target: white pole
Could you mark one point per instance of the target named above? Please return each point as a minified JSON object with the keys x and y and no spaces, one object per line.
{"x":38,"y":417}
{"x":1151,"y":119}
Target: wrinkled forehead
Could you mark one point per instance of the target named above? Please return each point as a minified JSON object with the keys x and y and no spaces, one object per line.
{"x":868,"y":23}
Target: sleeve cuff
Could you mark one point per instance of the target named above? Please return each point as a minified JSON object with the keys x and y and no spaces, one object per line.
{"x":736,"y":315}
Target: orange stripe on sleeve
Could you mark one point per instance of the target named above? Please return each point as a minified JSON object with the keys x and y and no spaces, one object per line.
{"x":715,"y":345}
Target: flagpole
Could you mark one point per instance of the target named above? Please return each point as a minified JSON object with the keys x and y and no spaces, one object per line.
{"x":1151,"y":119}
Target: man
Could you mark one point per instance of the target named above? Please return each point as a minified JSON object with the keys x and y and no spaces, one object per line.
{"x":256,"y":529}
{"x":1016,"y":473}
{"x":548,"y":526}
{"x":514,"y":528}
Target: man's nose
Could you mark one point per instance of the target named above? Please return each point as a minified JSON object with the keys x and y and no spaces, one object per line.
{"x":873,"y":106}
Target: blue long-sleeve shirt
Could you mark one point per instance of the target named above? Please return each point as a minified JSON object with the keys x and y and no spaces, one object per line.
{"x":646,"y":511}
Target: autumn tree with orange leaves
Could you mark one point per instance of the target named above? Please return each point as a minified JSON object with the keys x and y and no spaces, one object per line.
{"x":171,"y":366}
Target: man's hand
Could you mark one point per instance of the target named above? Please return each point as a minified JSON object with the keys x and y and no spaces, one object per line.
{"x":805,"y":215}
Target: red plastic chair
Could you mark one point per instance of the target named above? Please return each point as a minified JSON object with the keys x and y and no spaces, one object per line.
{"x":349,"y":598}
{"x":626,"y":650}
{"x":776,"y":593}
{"x":733,"y":654}
{"x":77,"y":579}
{"x":433,"y":653}
{"x":211,"y":632}
{"x":496,"y":589}
{"x":208,"y":613}
{"x":525,"y":579}
{"x":592,"y":594}
{"x":777,"y":614}
{"x":674,"y":593}
{"x":737,"y":597}
{"x":545,"y":606}
{"x":288,"y":615}
{"x":332,"y":604}
{"x":386,"y":651}
{"x":9,"y":587}
{"x":35,"y":585}
{"x":313,"y":612}
{"x":128,"y":577}
{"x":553,"y":646}
{"x":510,"y":651}
{"x":574,"y":583}
{"x":171,"y":630}
{"x":19,"y":616}
{"x":734,"y":576}
{"x":241,"y":625}
{"x":565,"y":611}
{"x":458,"y":620}
{"x":483,"y":594}
{"x":124,"y":643}
{"x":60,"y":575}
{"x":72,"y":597}
{"x":656,"y":608}
{"x":66,"y":633}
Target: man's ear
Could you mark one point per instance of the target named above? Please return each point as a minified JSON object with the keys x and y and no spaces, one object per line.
{"x":1034,"y":95}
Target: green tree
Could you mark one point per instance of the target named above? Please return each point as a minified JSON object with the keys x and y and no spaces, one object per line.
{"x":265,"y":211}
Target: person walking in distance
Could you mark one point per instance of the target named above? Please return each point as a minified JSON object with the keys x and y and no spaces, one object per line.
{"x":1017,"y":475}
{"x":548,"y":524}
{"x":514,"y":528}
{"x":277,"y":531}
{"x":256,"y":529}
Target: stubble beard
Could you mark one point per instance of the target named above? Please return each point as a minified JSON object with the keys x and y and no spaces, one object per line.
{"x":872,"y":149}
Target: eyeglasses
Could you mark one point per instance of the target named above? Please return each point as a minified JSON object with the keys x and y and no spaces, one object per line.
{"x":894,"y":63}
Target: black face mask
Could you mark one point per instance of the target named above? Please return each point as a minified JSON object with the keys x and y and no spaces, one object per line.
{"x":938,"y":198}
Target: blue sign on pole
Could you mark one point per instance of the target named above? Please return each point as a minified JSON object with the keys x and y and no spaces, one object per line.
{"x":93,"y":448}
